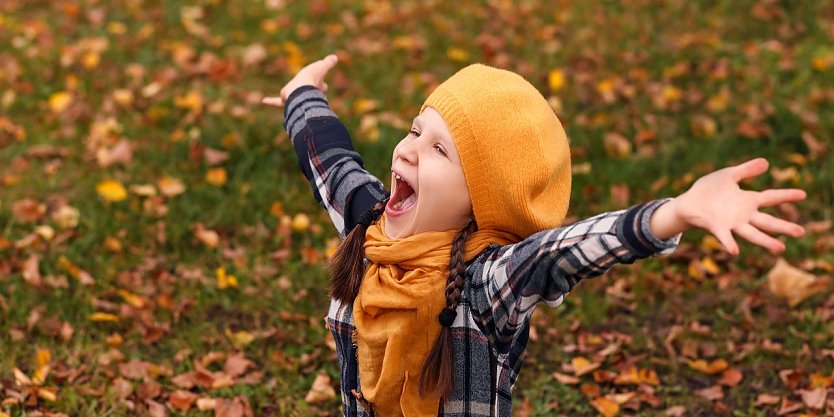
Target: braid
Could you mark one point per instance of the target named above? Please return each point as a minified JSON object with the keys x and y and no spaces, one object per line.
{"x":347,"y":265}
{"x":438,"y":370}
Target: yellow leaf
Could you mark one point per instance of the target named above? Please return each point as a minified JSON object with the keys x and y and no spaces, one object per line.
{"x":43,"y":357}
{"x":710,"y":265}
{"x":90,"y":60}
{"x":671,"y":93}
{"x":582,"y":366}
{"x":136,"y":301}
{"x":100,"y":317}
{"x":48,"y":394}
{"x":39,"y":377}
{"x":823,"y":61}
{"x":457,"y":54}
{"x":111,"y":190}
{"x":59,"y":101}
{"x":710,"y":243}
{"x":193,"y":101}
{"x":170,"y":186}
{"x":364,"y":105}
{"x":240,"y":339}
{"x":793,"y":284}
{"x":606,"y":407}
{"x":556,"y":80}
{"x":225,"y":281}
{"x":114,"y":340}
{"x":123,"y":97}
{"x":216,"y":176}
{"x":301,"y":222}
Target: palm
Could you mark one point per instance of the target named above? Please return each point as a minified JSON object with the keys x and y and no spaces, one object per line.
{"x":718,"y":205}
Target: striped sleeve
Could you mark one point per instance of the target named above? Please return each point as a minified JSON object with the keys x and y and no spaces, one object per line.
{"x":328,"y":160}
{"x":547,"y":265}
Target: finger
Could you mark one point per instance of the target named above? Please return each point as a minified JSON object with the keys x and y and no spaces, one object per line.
{"x":327,"y":63}
{"x":772,"y":197}
{"x":726,"y":239}
{"x":749,"y":169}
{"x":757,"y":237}
{"x":324,"y":87}
{"x":772,"y":224}
{"x":273,"y":101}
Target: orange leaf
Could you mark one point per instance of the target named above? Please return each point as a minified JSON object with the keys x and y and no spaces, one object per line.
{"x":605,"y":406}
{"x":713,"y":367}
{"x":793,"y":284}
{"x":321,"y":390}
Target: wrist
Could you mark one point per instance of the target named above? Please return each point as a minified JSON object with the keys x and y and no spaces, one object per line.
{"x":666,"y":220}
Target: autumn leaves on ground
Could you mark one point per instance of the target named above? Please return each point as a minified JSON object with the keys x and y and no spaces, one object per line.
{"x":161,"y":254}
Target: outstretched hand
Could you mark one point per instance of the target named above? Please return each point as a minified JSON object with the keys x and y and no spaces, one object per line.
{"x":717,"y":204}
{"x":312,"y":74}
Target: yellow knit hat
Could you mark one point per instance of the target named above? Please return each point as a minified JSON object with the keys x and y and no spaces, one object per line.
{"x":513,"y":149}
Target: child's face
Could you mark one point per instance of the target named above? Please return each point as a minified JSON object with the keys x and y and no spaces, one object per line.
{"x":432,"y":194}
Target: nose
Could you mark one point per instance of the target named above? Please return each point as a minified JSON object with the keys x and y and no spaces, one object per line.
{"x":408,"y":150}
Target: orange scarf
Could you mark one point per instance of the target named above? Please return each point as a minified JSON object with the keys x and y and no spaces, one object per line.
{"x":396,"y":312}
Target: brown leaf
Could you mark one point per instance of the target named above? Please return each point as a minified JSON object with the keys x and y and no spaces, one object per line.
{"x":121,"y":388}
{"x":237,"y":365}
{"x":28,"y":211}
{"x":31,"y":271}
{"x":713,"y":393}
{"x":793,"y":284}
{"x":766,"y":399}
{"x":156,"y":409}
{"x":182,"y":400}
{"x":214,"y":156}
{"x":617,"y":145}
{"x":565,"y":379}
{"x":135,"y":369}
{"x":321,"y":390}
{"x":675,"y":411}
{"x":236,"y":407}
{"x":814,"y":398}
{"x":121,"y":153}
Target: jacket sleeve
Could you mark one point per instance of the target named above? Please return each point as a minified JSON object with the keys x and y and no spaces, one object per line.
{"x":326,"y":156}
{"x":508,"y":282}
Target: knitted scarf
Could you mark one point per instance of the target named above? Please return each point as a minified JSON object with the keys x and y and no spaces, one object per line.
{"x":396,"y":312}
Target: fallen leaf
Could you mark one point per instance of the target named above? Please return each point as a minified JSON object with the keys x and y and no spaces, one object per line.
{"x":566,"y":379}
{"x":170,"y":187}
{"x":616,"y":145}
{"x":217,"y":176}
{"x":793,"y":284}
{"x":111,"y":190}
{"x":713,"y":393}
{"x":321,"y":390}
{"x":582,"y":366}
{"x":182,"y":400}
{"x":814,"y":398}
{"x":121,"y":153}
{"x":59,"y":101}
{"x":730,"y":378}
{"x":766,"y":399}
{"x":605,"y":406}
{"x":714,"y":367}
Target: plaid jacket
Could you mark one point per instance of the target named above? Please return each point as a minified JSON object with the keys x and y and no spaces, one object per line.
{"x":503,"y":284}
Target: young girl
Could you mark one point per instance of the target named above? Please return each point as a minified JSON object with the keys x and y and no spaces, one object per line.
{"x":434,"y":284}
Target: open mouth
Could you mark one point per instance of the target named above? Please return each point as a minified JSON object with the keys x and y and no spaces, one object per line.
{"x":403,"y":197}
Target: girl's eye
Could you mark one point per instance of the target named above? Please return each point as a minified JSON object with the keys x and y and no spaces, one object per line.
{"x":414,"y":132}
{"x":440,"y":149}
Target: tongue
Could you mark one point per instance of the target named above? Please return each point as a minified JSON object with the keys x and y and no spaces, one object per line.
{"x":407,"y":203}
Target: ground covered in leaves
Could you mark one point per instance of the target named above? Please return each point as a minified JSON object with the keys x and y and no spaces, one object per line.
{"x":161,"y":254}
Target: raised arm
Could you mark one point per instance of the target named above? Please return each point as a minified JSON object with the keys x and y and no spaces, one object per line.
{"x":324,"y":149}
{"x":507,"y":283}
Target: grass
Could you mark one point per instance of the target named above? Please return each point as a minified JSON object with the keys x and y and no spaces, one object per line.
{"x":688,"y":81}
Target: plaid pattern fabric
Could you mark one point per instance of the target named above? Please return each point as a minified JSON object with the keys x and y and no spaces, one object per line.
{"x":503,"y":284}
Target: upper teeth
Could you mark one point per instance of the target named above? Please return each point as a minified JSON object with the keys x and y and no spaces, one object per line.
{"x":397,"y":176}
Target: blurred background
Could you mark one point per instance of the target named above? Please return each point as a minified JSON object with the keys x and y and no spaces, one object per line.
{"x":161,"y":253}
